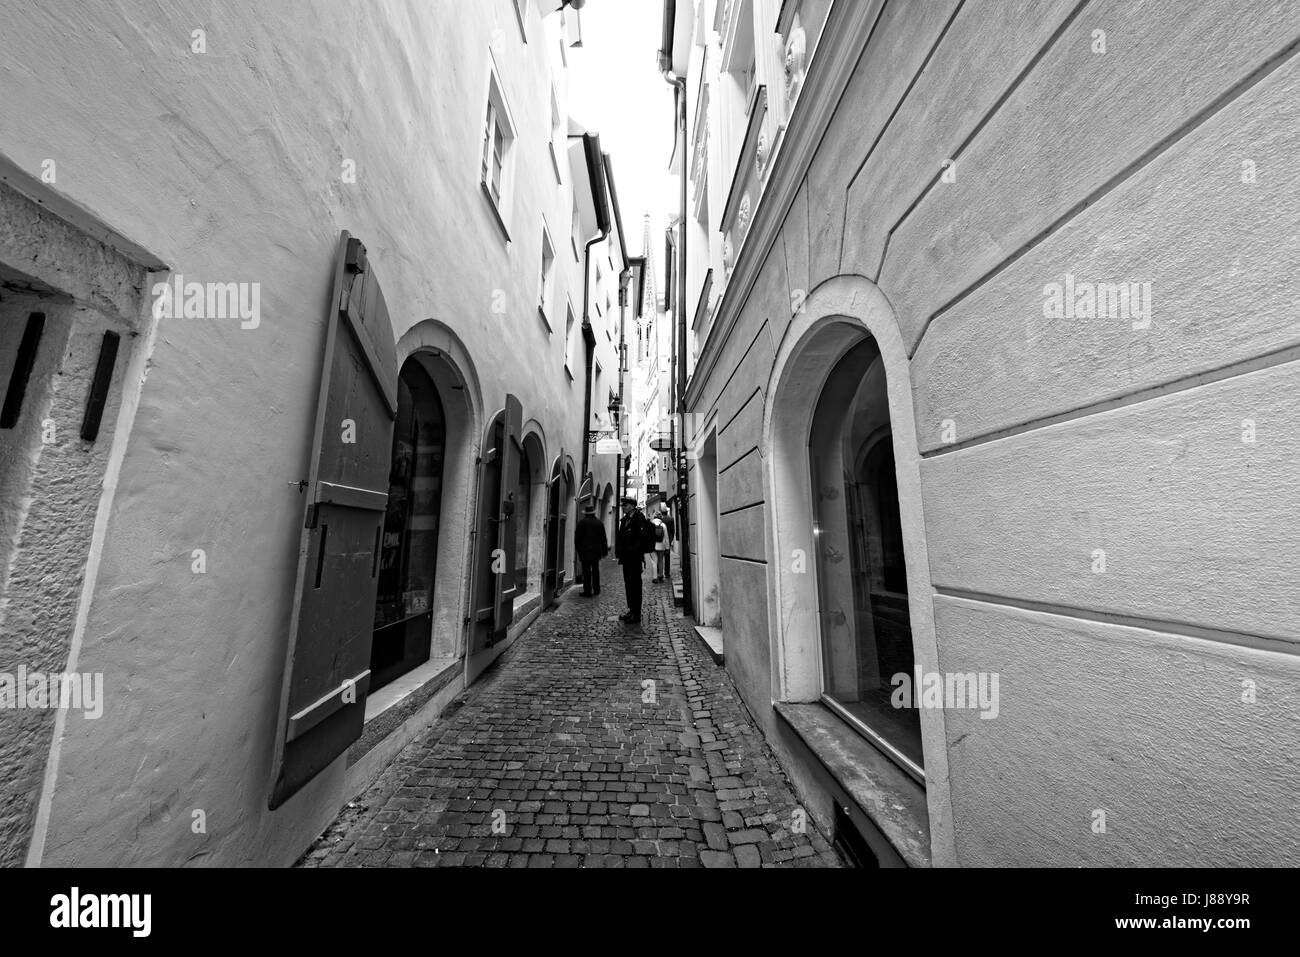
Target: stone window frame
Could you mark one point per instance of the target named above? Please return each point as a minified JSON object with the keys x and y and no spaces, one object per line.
{"x":497,"y":116}
{"x":831,"y":318}
{"x":91,"y":279}
{"x":546,"y":280}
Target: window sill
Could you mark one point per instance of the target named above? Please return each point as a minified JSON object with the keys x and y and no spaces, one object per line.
{"x":519,"y":16}
{"x":567,"y":370}
{"x":545,"y":320}
{"x":883,"y":792}
{"x":711,"y":638}
{"x":392,"y":704}
{"x":496,"y":213}
{"x":555,"y":163}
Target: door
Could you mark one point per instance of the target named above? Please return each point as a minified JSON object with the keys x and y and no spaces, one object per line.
{"x":494,"y":581}
{"x":556,"y":498}
{"x":327,"y":667}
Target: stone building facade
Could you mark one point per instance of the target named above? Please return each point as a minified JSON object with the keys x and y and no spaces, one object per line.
{"x":293,"y":351}
{"x":997,"y":388}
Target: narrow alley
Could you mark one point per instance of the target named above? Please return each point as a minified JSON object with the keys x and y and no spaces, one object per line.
{"x":943,"y":355}
{"x":590,"y":744}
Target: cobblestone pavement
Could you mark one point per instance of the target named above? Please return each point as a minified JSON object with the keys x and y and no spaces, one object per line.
{"x":590,"y":744}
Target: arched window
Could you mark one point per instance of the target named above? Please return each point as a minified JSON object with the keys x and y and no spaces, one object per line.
{"x":409,"y":552}
{"x":861,"y":575}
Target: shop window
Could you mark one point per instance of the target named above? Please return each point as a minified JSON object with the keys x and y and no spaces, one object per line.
{"x":408,"y":555}
{"x":861,"y":574}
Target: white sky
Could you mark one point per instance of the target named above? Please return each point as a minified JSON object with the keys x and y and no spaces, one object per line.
{"x":616,"y":90}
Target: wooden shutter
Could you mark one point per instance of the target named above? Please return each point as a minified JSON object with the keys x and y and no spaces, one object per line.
{"x":562,"y":539}
{"x":327,"y":668}
{"x":495,"y":589}
{"x":554,"y":529}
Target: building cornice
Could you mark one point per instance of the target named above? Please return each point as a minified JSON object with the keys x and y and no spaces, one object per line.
{"x":844,"y":38}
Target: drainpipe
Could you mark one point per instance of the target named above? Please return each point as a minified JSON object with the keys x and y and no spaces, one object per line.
{"x":683,"y":487}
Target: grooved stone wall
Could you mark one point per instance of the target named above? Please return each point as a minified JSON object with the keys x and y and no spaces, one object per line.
{"x":1111,"y":504}
{"x":51,"y":478}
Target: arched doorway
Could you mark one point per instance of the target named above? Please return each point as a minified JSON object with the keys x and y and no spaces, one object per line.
{"x":605,"y":512}
{"x":408,"y":553}
{"x":704,"y":506}
{"x":568,"y":518}
{"x":530,"y":530}
{"x":558,"y":523}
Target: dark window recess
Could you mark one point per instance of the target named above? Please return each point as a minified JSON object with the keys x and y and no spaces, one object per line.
{"x":853,"y":847}
{"x":320,"y":555}
{"x":408,"y":548}
{"x":99,"y":386}
{"x":23,"y":366}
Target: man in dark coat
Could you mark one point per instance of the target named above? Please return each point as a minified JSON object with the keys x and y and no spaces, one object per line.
{"x":635,"y":538}
{"x":591,"y":545}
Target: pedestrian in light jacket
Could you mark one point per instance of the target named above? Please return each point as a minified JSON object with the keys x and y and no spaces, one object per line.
{"x":666,"y":516}
{"x":661,"y":547}
{"x":591,"y":545}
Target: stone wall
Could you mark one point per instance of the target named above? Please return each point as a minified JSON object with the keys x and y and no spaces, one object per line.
{"x":981,"y":153}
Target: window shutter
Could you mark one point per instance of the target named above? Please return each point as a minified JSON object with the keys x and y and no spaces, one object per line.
{"x":494,"y":589}
{"x":327,"y":668}
{"x":505,"y":583}
{"x":556,"y":528}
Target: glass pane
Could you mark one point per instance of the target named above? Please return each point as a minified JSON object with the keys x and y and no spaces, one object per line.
{"x":496,"y":177}
{"x":861,"y":576}
{"x":409,"y":551}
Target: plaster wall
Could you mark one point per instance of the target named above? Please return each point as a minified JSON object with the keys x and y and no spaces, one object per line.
{"x":233,"y":165}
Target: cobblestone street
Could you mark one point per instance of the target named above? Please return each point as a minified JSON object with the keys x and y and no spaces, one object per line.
{"x":590,"y":744}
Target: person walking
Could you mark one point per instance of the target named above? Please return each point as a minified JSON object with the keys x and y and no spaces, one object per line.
{"x":661,"y":546}
{"x":635,"y":538}
{"x":666,"y":515}
{"x":591,"y":545}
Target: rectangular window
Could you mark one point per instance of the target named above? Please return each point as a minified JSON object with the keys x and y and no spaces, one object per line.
{"x":494,"y":153}
{"x":568,"y":339}
{"x":498,"y":143}
{"x":546,"y":280}
{"x":557,"y":136}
